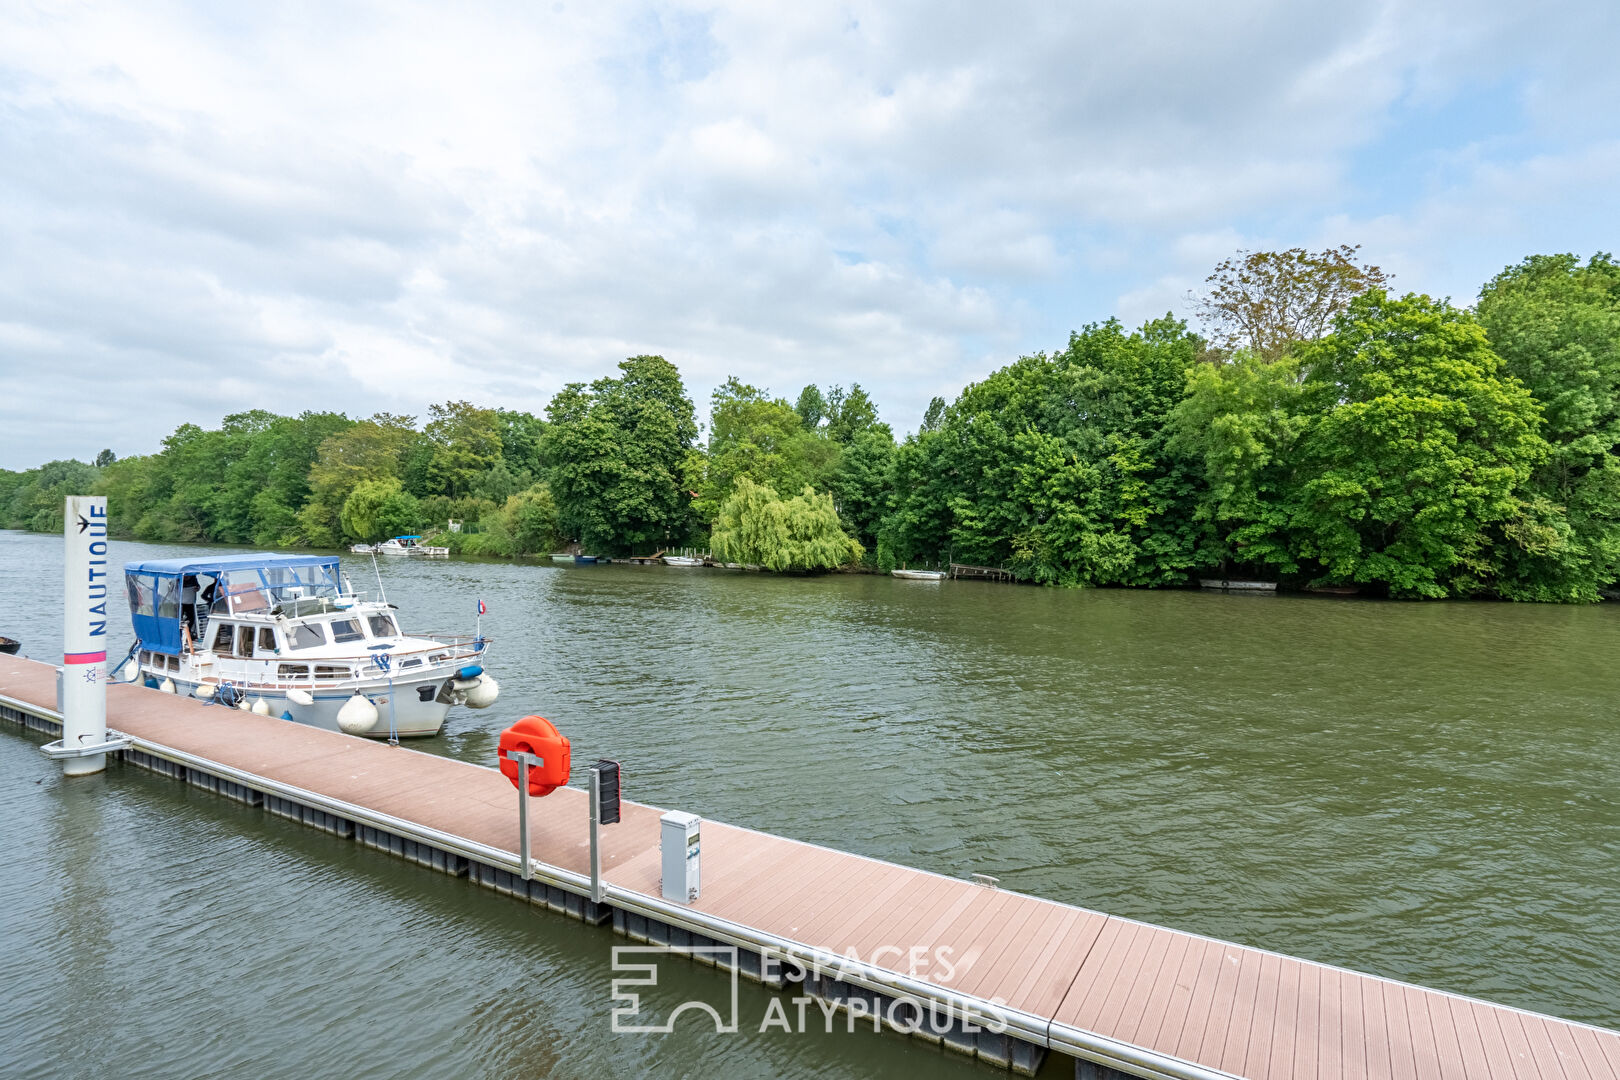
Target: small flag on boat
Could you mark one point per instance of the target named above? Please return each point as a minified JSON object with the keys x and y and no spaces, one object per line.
{"x":482,"y":610}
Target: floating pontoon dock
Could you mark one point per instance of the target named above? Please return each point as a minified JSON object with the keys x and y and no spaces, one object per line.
{"x":1121,"y":997}
{"x":986,"y":573}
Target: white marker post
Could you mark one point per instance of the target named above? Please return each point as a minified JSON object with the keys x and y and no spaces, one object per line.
{"x":86,"y":584}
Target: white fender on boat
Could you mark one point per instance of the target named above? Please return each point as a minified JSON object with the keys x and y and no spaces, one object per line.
{"x":357,"y":716}
{"x":482,"y":694}
{"x":204,"y":691}
{"x":167,"y":685}
{"x":130,"y":673}
{"x":241,"y":703}
{"x":300,"y":697}
{"x":260,"y":708}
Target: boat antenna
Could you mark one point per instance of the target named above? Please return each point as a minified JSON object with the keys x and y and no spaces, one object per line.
{"x":381,"y":592}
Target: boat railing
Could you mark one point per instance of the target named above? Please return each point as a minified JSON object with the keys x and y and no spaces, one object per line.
{"x":336,"y":671}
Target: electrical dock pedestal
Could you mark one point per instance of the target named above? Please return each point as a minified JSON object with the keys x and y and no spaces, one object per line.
{"x":679,"y":846}
{"x":1026,"y":978}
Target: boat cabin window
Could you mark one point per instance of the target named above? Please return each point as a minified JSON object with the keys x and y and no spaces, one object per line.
{"x":142,"y":596}
{"x":267,"y":642}
{"x":383,"y":626}
{"x":244,"y":641}
{"x":168,"y":598}
{"x":293,"y":671}
{"x":306,"y":635}
{"x":174,"y":663}
{"x":322,"y":671}
{"x":346,"y":630}
{"x":223,"y":636}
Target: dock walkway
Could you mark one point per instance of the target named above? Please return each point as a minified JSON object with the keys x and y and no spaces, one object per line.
{"x":1113,"y":993}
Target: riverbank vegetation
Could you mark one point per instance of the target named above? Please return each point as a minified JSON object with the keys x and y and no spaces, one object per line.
{"x":1321,"y":430}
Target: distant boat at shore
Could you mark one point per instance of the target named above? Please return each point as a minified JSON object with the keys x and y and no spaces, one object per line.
{"x":682,"y":560}
{"x":919,"y":575}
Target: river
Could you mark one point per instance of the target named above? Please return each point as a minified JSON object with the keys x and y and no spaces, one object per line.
{"x":1422,"y":791}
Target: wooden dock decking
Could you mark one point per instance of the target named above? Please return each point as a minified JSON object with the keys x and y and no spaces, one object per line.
{"x":1144,"y":1000}
{"x":987,"y":573}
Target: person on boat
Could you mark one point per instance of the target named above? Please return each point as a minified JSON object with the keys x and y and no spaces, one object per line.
{"x":201,"y":612}
{"x":188,"y":603}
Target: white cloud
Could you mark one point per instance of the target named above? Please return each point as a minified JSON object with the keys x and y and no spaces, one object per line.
{"x":369,"y":206}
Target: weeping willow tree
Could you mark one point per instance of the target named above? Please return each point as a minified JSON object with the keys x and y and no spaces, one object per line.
{"x":758,"y":527}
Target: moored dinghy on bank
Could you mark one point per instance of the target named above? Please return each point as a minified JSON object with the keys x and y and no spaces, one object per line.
{"x":286,"y":635}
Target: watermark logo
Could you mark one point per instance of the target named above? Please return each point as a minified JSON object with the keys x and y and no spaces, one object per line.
{"x":641,"y":962}
{"x":637,"y":969}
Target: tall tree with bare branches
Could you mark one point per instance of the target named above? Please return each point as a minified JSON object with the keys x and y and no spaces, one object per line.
{"x":1269,"y":301}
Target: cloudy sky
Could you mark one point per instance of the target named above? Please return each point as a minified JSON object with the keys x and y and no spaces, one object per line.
{"x":210,"y":208}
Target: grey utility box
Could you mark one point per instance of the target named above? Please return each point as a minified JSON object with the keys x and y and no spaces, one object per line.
{"x":678,"y":841}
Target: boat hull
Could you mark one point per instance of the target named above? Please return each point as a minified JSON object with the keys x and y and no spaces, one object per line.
{"x":919,"y":575}
{"x":681,"y":560}
{"x":402,"y":704}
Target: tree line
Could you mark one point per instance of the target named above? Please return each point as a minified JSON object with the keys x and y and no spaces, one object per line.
{"x":1322,"y":431}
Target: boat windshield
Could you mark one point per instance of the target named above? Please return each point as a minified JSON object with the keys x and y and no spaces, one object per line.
{"x":263,"y":588}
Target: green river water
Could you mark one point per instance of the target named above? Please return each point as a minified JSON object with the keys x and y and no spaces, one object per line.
{"x":1422,"y":791}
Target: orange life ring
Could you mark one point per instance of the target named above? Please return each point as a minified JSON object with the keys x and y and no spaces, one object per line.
{"x":536,"y":735}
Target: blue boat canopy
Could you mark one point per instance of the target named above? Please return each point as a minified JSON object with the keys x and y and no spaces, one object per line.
{"x":169,"y":597}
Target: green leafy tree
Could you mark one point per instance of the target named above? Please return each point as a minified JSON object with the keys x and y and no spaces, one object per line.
{"x":934,"y":415}
{"x":39,"y":496}
{"x":466,"y":442}
{"x":848,"y":415}
{"x":811,"y":407}
{"x":372,"y":449}
{"x":763,"y":438}
{"x":1417,"y":445}
{"x":1241,"y":422}
{"x":617,"y":456}
{"x":522,"y":442}
{"x":1556,"y":326}
{"x":532,"y":519}
{"x":377,"y":509}
{"x":1058,"y":466}
{"x":862,"y":482}
{"x":757,"y":527}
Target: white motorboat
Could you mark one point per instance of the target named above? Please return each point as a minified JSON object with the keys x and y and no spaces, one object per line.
{"x":919,"y":575}
{"x":286,"y":635}
{"x":399,"y":545}
{"x":363,"y":549}
{"x":682,"y":560}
